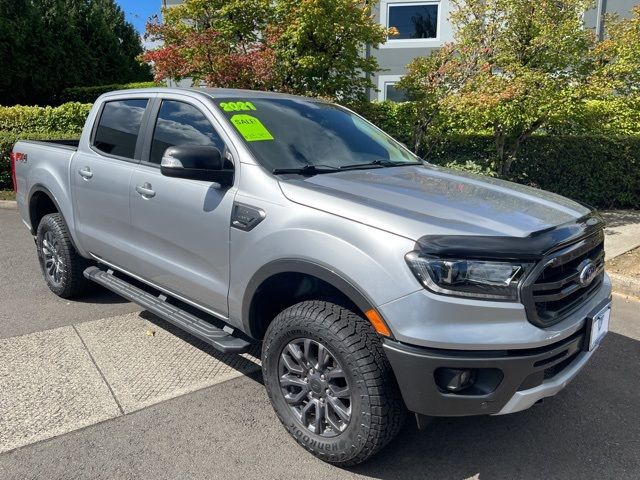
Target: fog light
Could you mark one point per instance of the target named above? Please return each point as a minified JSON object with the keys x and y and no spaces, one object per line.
{"x":455,"y":379}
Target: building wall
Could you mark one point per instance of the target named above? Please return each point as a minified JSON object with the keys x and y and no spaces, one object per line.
{"x":395,"y":54}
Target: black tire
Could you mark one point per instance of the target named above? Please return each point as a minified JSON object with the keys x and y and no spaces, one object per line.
{"x":375,"y":404}
{"x":53,"y":236}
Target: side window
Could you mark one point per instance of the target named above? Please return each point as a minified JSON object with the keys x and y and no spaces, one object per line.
{"x":118,"y":127}
{"x":181,"y":124}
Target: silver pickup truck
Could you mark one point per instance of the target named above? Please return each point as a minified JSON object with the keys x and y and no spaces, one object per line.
{"x":377,"y":283}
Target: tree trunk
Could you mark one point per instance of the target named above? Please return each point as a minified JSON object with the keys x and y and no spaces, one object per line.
{"x":500,"y":139}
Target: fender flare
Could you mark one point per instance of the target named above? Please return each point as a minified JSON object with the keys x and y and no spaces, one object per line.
{"x":289,"y":265}
{"x":35,"y":189}
{"x":41,"y":188}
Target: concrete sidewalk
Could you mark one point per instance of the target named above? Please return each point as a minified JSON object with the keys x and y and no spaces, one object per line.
{"x":622,"y":235}
{"x":60,"y":380}
{"x":622,"y":232}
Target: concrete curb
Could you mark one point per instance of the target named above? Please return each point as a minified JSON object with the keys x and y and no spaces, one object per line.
{"x":8,"y":204}
{"x":625,"y":285}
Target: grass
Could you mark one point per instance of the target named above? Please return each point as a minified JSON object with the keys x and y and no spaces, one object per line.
{"x":7,"y":195}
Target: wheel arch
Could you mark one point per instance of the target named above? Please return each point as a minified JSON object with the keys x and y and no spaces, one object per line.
{"x":43,"y":202}
{"x":267,"y":278}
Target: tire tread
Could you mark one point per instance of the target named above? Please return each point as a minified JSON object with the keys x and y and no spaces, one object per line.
{"x":359,"y":340}
{"x":74,"y":283}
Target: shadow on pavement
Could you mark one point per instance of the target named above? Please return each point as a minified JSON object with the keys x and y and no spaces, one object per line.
{"x":101,"y":296}
{"x":619,"y":218}
{"x":589,"y":430}
{"x":205,"y":347}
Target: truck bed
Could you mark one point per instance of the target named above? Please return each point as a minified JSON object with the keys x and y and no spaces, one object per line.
{"x":43,"y":162}
{"x":67,"y":144}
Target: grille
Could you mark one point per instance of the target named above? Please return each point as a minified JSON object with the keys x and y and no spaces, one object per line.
{"x":555,"y":288}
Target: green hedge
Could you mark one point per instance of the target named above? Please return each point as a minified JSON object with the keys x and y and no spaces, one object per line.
{"x":7,"y":139}
{"x":397,"y":119}
{"x":69,"y":117}
{"x":602,"y":171}
{"x":89,"y":94}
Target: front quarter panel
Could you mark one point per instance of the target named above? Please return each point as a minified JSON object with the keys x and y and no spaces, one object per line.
{"x":367,"y":258}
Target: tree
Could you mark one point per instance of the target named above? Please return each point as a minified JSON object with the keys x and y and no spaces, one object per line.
{"x":48,"y":45}
{"x":320,"y":50}
{"x":617,"y":58}
{"x":312,"y":47}
{"x":218,"y":42}
{"x":514,"y":65}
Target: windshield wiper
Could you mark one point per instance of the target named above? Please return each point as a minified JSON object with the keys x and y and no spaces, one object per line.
{"x":306,"y":170}
{"x":378,"y":164}
{"x":315,"y":169}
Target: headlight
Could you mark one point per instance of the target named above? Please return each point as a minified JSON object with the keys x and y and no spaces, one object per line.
{"x":481,"y":279}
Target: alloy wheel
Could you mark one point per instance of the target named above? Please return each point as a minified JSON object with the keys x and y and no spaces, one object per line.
{"x":315,"y":387}
{"x":52,"y":257}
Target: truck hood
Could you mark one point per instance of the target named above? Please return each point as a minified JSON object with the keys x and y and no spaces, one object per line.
{"x":413,"y":201}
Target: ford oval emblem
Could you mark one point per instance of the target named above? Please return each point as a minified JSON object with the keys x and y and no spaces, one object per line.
{"x":588,"y":274}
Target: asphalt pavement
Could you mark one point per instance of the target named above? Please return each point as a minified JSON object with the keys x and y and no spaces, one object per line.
{"x":26,"y":304}
{"x":228,"y":430}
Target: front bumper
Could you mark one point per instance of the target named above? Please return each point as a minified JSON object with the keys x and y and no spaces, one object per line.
{"x":507,"y":381}
{"x":427,"y":319}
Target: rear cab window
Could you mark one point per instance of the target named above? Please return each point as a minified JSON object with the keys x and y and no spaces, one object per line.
{"x":117,"y":130}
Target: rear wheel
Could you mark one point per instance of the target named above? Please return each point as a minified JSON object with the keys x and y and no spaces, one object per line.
{"x":62,"y":267}
{"x":330,"y":382}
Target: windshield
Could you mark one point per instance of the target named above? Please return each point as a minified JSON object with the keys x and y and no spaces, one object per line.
{"x":291,"y":133}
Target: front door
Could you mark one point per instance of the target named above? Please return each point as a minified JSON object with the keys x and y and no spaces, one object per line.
{"x":181,"y":226}
{"x":100,"y":178}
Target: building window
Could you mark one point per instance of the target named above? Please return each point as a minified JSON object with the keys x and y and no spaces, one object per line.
{"x":413,"y":20}
{"x":393,"y":93}
{"x":388,"y":90}
{"x":419,"y":24}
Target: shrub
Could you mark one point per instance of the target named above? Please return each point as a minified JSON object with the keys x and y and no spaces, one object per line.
{"x":602,"y":171}
{"x":69,"y":117}
{"x":613,"y":116}
{"x":397,"y":119}
{"x":90,"y":94}
{"x":7,"y":139}
{"x":599,"y":163}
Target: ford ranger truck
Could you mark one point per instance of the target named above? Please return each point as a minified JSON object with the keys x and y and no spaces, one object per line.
{"x":377,"y":284}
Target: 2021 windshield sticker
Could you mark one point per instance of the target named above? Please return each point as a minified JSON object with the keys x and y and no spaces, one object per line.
{"x":237,"y":106}
{"x":251,"y":128}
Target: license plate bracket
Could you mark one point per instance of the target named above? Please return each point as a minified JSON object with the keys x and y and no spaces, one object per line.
{"x":597,"y":327}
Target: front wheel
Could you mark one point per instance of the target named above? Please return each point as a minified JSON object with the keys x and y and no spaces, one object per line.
{"x":330,"y":382}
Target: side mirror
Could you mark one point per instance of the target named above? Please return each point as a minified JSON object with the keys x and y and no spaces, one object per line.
{"x":196,"y":162}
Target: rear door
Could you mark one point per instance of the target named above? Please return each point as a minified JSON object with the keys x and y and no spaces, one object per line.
{"x":101,"y":175}
{"x":181,"y":226}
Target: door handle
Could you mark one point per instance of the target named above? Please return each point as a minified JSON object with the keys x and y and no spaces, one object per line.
{"x":86,"y":173}
{"x":145,"y":190}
